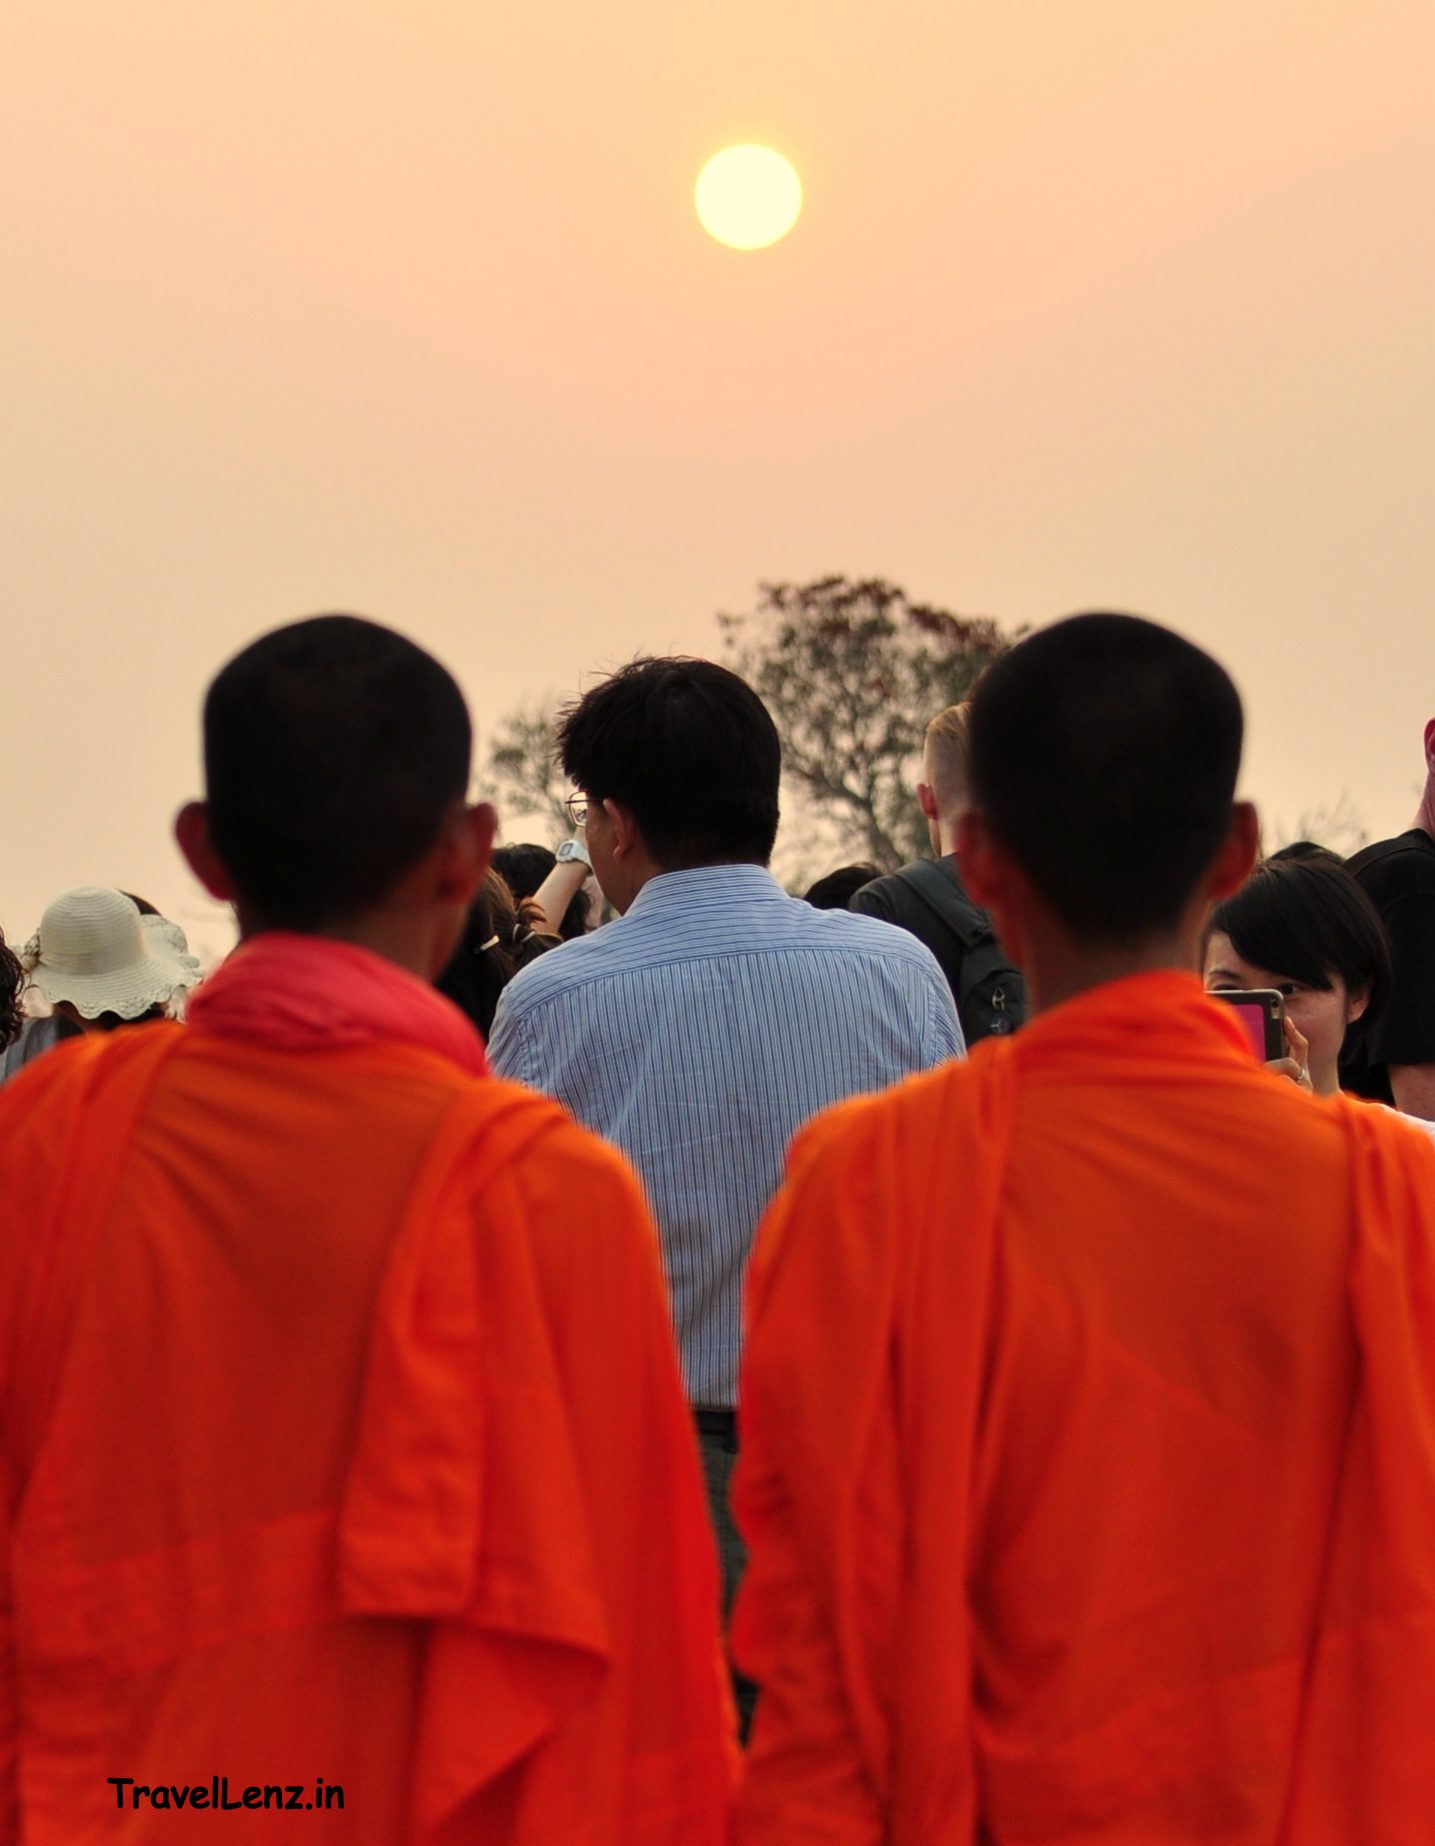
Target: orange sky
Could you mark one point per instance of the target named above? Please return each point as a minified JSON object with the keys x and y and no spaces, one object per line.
{"x":405,"y":310}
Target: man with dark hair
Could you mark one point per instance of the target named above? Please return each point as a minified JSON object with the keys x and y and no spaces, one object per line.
{"x":701,"y":1028}
{"x":309,"y":1491}
{"x":928,"y":897}
{"x":1390,"y":1057}
{"x":1086,"y":1468}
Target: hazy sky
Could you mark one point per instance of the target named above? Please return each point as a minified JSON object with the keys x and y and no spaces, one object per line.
{"x":404,"y":309}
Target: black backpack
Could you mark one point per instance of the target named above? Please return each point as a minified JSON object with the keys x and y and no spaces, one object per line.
{"x":991,"y":993}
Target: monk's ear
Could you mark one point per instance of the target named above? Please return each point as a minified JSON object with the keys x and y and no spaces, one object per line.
{"x":464,"y":850}
{"x":926,"y":800}
{"x":191,"y":832}
{"x":1240,"y":849}
{"x":986,"y":868}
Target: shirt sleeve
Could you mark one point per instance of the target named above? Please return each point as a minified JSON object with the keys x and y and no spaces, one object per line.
{"x":509,"y":1045}
{"x":943,"y":1037}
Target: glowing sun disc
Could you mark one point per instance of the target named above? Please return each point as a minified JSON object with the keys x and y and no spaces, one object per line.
{"x":748,"y":197}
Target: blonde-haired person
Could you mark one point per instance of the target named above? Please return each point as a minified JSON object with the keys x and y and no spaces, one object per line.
{"x":928,"y":899}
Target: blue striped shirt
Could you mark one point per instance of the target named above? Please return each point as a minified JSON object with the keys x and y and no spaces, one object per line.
{"x":698,"y":1033}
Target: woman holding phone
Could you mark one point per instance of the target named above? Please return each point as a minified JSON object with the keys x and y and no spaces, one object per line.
{"x":1305,"y":928}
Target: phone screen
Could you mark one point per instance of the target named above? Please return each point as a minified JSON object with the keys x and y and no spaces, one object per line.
{"x":1260,"y":1011}
{"x":1252,"y":1016}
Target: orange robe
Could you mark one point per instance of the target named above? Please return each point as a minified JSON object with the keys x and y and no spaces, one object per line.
{"x":1088,"y":1454}
{"x":343,"y":1438}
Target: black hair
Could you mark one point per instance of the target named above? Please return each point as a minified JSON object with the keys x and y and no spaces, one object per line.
{"x":333,"y":749}
{"x":690,"y":749}
{"x":12,"y":989}
{"x":835,"y":890}
{"x":1104,"y":754}
{"x":482,"y":964}
{"x":1303,"y":849}
{"x":1308,"y":919}
{"x":523,"y":867}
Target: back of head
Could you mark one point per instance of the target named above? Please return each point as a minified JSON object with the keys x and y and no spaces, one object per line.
{"x":1304,"y":849}
{"x":944,"y":756}
{"x":690,"y":749}
{"x":1309,"y":919}
{"x":333,"y":749}
{"x":837,"y":889}
{"x":522,"y":867}
{"x":1104,"y":755}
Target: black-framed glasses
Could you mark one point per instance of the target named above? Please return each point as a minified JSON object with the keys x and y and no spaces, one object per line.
{"x":576,"y":808}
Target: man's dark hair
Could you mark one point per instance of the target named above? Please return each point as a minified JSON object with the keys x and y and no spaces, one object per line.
{"x":333,"y":749}
{"x":687,"y":746}
{"x":1309,"y":919}
{"x":1304,"y":849}
{"x":1104,"y":754}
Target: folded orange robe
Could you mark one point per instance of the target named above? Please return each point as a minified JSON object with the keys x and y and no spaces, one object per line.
{"x":343,"y":1439}
{"x":1088,"y":1459}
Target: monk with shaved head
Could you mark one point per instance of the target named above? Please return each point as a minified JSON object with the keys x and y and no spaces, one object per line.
{"x":344,"y":1462}
{"x":1086,"y":1465}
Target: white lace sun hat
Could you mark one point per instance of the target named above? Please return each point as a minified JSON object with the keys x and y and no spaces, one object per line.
{"x":96,"y":950}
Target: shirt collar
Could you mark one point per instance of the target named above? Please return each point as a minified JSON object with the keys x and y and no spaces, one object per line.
{"x":675,"y":891}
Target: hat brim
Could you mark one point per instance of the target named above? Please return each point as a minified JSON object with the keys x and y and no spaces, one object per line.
{"x":161,"y":972}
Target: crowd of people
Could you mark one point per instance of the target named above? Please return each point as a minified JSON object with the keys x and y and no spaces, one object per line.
{"x":588,"y":1348}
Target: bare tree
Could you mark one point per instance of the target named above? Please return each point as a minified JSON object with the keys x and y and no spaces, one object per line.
{"x":852,"y":671}
{"x":523,"y":773}
{"x":1336,"y":825}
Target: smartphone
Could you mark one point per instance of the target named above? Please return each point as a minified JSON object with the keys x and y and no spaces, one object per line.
{"x":1261,"y":1011}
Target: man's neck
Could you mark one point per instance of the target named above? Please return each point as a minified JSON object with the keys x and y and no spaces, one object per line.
{"x":407,"y":941}
{"x":1425,"y":813}
{"x":1056,"y":970}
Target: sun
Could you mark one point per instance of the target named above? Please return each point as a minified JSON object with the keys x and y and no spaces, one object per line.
{"x":748,"y":197}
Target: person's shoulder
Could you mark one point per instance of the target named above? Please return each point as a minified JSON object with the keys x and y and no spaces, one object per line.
{"x":879,"y":897}
{"x":1404,"y":863}
{"x":548,"y":1142}
{"x":867,"y":938}
{"x":50,"y":1080}
{"x":560,"y":970}
{"x":1379,"y":1126}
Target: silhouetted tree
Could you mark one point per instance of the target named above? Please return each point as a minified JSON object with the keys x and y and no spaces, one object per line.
{"x":852,"y":671}
{"x":523,"y":774}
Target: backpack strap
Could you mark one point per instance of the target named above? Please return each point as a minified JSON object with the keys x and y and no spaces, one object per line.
{"x":948,"y":902}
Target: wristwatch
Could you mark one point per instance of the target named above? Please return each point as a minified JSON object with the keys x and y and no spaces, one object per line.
{"x":571,"y":850}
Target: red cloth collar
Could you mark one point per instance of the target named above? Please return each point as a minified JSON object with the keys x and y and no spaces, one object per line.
{"x":311,"y":993}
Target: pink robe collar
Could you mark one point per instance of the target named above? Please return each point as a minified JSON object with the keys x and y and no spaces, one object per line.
{"x":311,"y":993}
